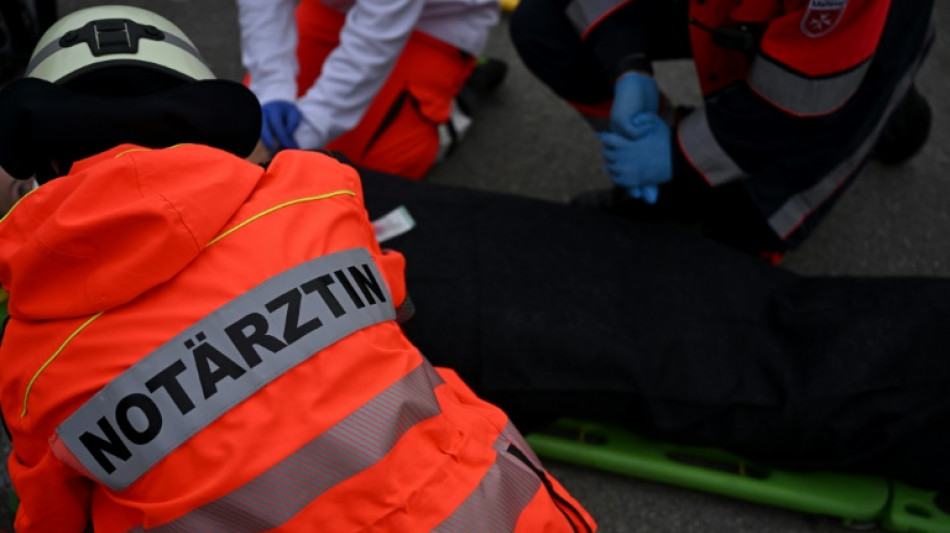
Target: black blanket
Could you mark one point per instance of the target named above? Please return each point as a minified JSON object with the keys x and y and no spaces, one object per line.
{"x":551,"y":311}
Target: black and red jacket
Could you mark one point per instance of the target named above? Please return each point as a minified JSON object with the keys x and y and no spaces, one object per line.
{"x":795,"y":92}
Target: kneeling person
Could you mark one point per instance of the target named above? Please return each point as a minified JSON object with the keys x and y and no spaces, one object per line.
{"x":196,"y":343}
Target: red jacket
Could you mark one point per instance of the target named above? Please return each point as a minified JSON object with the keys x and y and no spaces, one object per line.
{"x":196,"y":344}
{"x":796,"y":91}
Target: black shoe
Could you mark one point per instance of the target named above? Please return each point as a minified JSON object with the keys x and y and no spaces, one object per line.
{"x":906,"y":131}
{"x":486,"y":77}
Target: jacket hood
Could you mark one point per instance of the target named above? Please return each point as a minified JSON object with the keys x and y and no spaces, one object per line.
{"x":119,"y":224}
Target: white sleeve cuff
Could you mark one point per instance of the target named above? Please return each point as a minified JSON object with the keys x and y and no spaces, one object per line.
{"x":273,"y":91}
{"x":308,"y":137}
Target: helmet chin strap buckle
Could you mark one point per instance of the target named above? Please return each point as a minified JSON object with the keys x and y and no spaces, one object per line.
{"x":111,"y":36}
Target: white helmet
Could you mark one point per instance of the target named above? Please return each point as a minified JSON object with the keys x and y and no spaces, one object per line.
{"x":108,"y":75}
{"x":102,"y":36}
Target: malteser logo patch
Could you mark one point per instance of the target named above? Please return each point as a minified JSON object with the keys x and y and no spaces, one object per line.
{"x":822,"y":16}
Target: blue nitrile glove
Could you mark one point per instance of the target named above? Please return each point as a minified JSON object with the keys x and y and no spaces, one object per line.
{"x":634,"y":93}
{"x":639,"y":158}
{"x":280,"y":119}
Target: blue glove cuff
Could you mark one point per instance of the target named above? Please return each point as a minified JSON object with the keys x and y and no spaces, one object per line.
{"x":645,"y":86}
{"x":279,"y":120}
{"x":640,"y":158}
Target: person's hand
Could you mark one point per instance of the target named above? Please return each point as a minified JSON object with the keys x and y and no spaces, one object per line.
{"x":639,"y":157}
{"x":279,"y":120}
{"x":634,"y":93}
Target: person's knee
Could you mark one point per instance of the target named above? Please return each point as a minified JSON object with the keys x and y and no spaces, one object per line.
{"x":550,"y":47}
{"x":532,"y":28}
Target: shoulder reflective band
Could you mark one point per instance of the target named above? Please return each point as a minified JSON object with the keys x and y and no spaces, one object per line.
{"x":346,"y":449}
{"x":802,"y":95}
{"x":704,"y":152}
{"x":201,"y":373}
{"x":585,"y":14}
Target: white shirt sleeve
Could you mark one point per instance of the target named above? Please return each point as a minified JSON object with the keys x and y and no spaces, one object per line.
{"x":371,"y":41}
{"x":268,"y":47}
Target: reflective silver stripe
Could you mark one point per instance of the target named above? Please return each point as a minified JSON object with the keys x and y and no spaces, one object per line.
{"x":406,"y":310}
{"x":500,"y":498}
{"x":585,"y":13}
{"x":172,"y":393}
{"x":704,"y":152}
{"x":349,"y":447}
{"x":799,"y":94}
{"x":515,"y":437}
{"x":788,"y":217}
{"x":54,"y":47}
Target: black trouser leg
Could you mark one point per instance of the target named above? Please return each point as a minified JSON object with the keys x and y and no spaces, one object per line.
{"x":553,"y":51}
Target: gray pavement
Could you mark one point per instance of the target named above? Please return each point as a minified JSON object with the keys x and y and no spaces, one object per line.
{"x":525,"y":141}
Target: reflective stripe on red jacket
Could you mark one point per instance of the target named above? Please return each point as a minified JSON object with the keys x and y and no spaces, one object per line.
{"x":811,"y":54}
{"x":196,"y":344}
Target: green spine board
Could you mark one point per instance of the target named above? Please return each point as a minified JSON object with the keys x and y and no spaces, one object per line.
{"x":617,"y":450}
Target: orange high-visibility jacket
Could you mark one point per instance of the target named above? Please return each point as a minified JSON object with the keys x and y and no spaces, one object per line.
{"x":198,"y":345}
